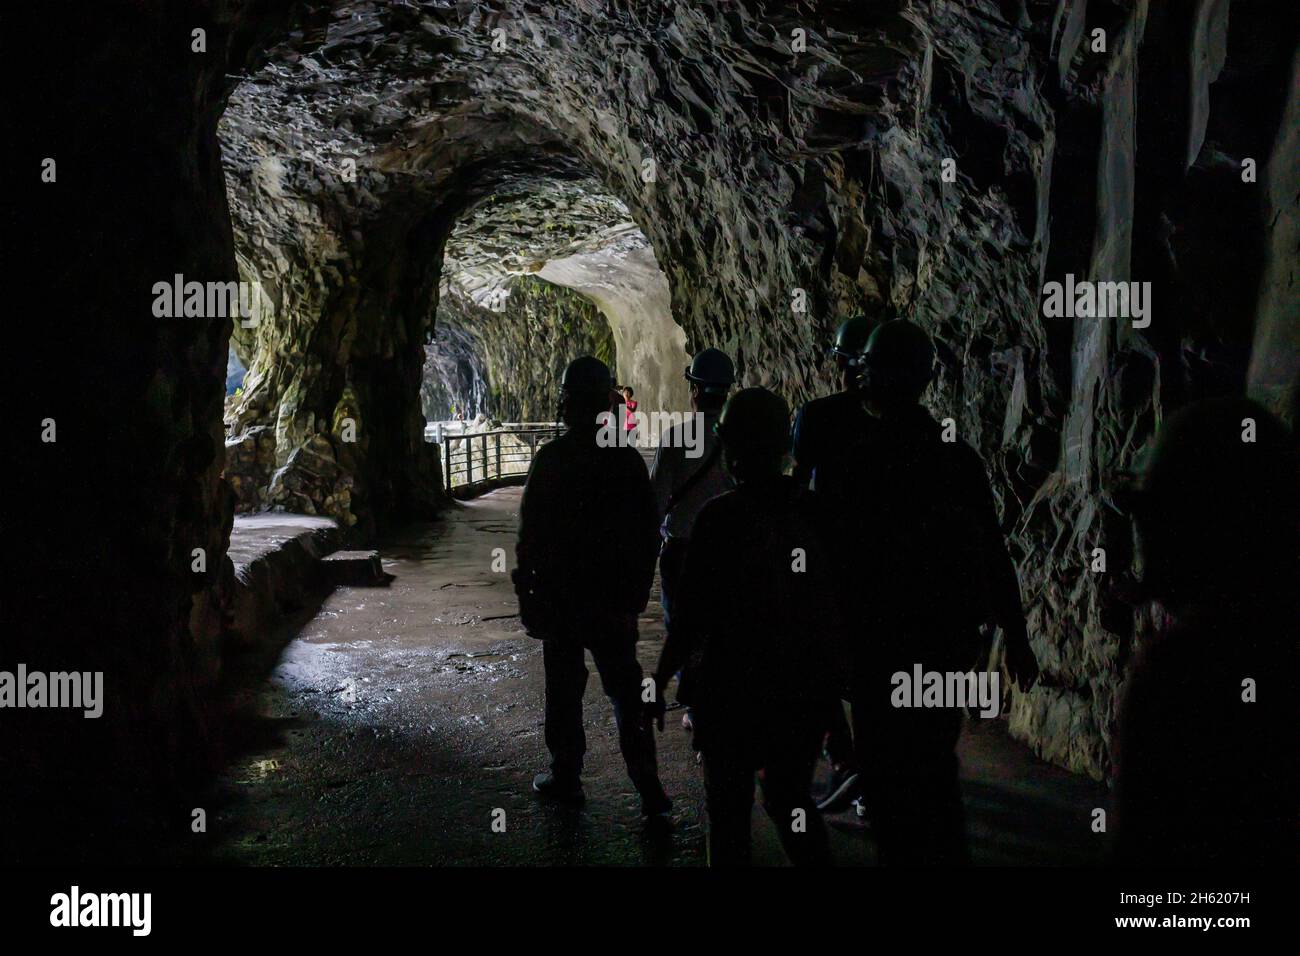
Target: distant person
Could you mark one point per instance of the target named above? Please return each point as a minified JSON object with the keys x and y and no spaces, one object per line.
{"x":1207,"y":725}
{"x":756,"y":632}
{"x":823,"y":428}
{"x":687,"y":473}
{"x":588,"y":511}
{"x":924,"y":566}
{"x":630,"y":422}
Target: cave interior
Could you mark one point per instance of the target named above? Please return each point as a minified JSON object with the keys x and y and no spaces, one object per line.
{"x":439,"y":204}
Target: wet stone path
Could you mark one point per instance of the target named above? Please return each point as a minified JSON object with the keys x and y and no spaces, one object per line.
{"x":410,"y":716}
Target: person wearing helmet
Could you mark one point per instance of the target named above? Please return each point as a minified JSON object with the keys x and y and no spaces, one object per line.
{"x":1206,"y":768}
{"x":822,"y":429}
{"x":587,"y":509}
{"x":926,"y":567}
{"x":687,"y":473}
{"x":758,"y":635}
{"x":822,"y":426}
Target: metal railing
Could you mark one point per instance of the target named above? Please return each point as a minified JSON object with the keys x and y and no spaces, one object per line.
{"x":473,"y":462}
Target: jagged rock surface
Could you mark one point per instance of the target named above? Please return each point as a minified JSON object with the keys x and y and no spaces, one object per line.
{"x":527,"y":341}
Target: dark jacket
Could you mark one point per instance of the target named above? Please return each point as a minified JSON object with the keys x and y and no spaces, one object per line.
{"x":587,"y":534}
{"x":1204,"y":777}
{"x":917,"y":539}
{"x":823,"y":429}
{"x":756,"y":623}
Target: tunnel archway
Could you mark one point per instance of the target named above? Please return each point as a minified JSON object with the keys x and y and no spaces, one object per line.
{"x":368,"y":147}
{"x":319,"y":351}
{"x":540,"y":272}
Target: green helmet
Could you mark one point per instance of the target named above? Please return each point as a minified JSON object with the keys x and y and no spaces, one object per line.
{"x":852,"y":337}
{"x":897,"y":362}
{"x":712,"y":370}
{"x":755,"y":423}
{"x":587,"y":374}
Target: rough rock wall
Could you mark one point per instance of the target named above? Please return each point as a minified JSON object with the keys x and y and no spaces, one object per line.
{"x":632,"y":292}
{"x":337,"y":357}
{"x":1146,"y":184}
{"x":527,"y":342}
{"x":455,"y":376}
{"x":571,"y":232}
{"x":118,"y":497}
{"x":780,"y":156}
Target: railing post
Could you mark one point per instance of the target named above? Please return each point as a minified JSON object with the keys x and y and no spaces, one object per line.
{"x":483,"y":451}
{"x":498,"y":444}
{"x":446,"y":463}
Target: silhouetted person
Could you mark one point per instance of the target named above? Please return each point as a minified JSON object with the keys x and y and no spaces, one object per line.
{"x":1207,"y":749}
{"x":824,"y":426}
{"x":926,"y":566}
{"x":585,"y":557}
{"x":823,"y":429}
{"x":686,"y":474}
{"x":757,"y":633}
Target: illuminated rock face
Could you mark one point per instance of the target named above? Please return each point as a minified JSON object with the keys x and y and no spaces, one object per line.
{"x":764,"y":180}
{"x":545,"y":271}
{"x":527,"y":342}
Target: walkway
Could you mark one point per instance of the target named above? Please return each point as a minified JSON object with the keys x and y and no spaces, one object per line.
{"x":410,"y":714}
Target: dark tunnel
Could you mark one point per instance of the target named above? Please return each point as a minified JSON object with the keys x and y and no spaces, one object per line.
{"x":283,"y":533}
